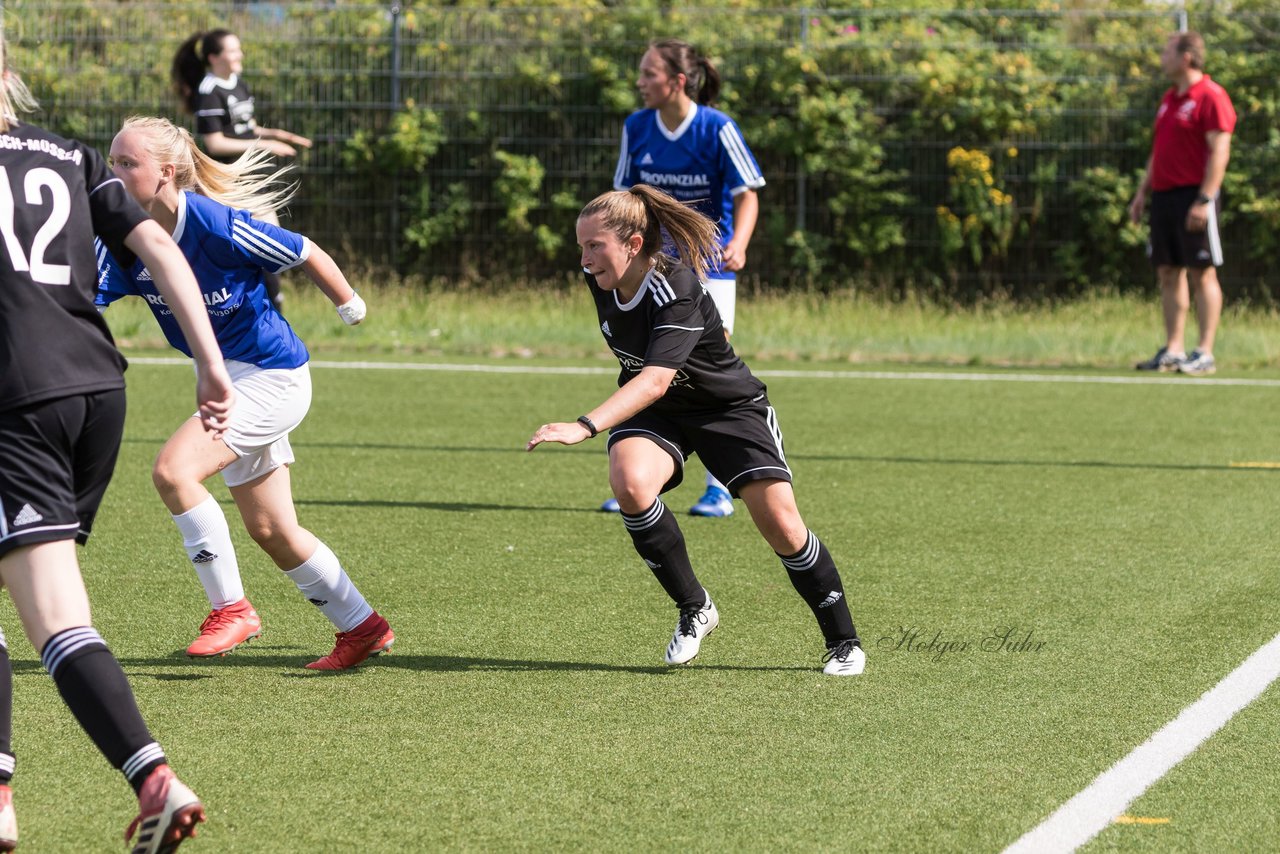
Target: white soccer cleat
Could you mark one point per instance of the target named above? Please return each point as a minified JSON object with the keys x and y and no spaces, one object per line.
{"x":692,"y":627}
{"x":844,"y":659}
{"x":8,"y":820}
{"x":168,"y":813}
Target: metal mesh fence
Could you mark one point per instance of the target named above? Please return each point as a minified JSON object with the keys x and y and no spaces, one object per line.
{"x":540,"y":81}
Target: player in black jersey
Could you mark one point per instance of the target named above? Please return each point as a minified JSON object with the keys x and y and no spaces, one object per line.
{"x":61,"y":418}
{"x":206,"y":78}
{"x":683,"y":390}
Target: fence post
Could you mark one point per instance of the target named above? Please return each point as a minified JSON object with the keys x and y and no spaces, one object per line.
{"x":1182,"y":20}
{"x":802,"y":179}
{"x":394,"y":236}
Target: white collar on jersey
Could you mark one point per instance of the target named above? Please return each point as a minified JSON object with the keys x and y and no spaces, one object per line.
{"x":182,"y":216}
{"x":673,"y":135}
{"x":227,"y":83}
{"x":640,"y":291}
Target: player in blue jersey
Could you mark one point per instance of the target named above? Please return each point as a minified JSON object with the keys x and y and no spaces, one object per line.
{"x":199,"y":201}
{"x":683,"y":390}
{"x":681,"y":144}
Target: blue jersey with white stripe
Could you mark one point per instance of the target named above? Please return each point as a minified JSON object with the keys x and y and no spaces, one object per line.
{"x":228,"y":251}
{"x":704,"y":161}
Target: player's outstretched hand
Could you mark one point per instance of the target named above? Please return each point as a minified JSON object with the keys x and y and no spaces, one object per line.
{"x":214,"y":398}
{"x":570,"y":433}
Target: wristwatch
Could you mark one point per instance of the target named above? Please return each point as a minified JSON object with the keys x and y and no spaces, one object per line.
{"x":1202,"y":199}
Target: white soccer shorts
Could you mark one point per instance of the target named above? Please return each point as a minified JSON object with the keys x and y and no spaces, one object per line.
{"x":270,"y":404}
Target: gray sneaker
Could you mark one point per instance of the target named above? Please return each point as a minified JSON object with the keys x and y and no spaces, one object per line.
{"x":1163,"y":360}
{"x":1198,"y":364}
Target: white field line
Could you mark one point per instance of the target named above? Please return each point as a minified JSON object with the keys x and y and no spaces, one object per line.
{"x":946,"y":376}
{"x":1088,"y":813}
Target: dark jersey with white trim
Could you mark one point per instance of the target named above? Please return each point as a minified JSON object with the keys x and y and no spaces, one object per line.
{"x":672,"y":322}
{"x":225,"y":107}
{"x":228,"y":251}
{"x":55,"y":194}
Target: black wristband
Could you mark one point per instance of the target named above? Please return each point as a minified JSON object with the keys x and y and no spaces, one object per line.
{"x":587,"y":422}
{"x":1203,"y":199}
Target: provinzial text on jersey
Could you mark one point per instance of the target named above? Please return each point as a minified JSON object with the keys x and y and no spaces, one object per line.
{"x":215,"y":298}
{"x":43,"y":145}
{"x":665,"y":179}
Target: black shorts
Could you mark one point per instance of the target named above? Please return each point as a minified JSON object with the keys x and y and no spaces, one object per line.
{"x":736,"y":445}
{"x":57,"y":459}
{"x":1171,"y":244}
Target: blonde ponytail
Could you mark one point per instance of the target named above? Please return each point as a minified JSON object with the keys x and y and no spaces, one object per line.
{"x":252,"y":182}
{"x":15,"y":97}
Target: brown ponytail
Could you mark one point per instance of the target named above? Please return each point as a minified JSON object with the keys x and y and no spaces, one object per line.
{"x":648,"y":212}
{"x":191,"y":63}
{"x":702,"y":81}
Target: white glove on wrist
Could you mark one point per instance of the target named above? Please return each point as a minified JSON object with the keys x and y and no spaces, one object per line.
{"x":352,"y":311}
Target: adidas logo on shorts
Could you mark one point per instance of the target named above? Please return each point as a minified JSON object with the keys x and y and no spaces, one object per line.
{"x":27,"y":516}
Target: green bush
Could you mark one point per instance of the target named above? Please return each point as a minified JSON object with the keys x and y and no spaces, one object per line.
{"x":936,"y":144}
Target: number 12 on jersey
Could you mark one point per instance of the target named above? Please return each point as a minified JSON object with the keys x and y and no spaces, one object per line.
{"x":36,"y":180}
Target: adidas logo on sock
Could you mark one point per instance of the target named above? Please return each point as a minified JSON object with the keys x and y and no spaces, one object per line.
{"x":204,"y":556}
{"x":652,"y":564}
{"x":319,"y":603}
{"x":832,"y":598}
{"x":27,"y":516}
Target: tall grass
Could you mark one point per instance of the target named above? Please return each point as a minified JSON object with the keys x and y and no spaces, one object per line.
{"x":557,"y":320}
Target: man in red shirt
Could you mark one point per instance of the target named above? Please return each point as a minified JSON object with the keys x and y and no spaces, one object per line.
{"x":1189,"y":156}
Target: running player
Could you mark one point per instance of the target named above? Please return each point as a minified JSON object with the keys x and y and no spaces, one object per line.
{"x":206,"y":78}
{"x":62,"y":407}
{"x":680,"y":144}
{"x":683,"y":390}
{"x":195,"y":199}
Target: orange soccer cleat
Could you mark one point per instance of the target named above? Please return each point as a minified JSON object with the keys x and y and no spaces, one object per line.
{"x":225,"y":629}
{"x":371,"y":637}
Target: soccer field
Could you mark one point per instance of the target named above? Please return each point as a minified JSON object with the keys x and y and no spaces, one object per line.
{"x":1044,"y":574}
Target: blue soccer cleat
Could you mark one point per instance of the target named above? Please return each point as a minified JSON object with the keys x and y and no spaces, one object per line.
{"x":715,"y":502}
{"x":610,"y":506}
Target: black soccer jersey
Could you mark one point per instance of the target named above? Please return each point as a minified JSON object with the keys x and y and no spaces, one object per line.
{"x":673,"y":323}
{"x":55,"y":194}
{"x":225,"y":107}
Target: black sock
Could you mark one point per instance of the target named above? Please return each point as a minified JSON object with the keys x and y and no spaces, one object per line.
{"x":659,"y":542}
{"x":815,"y":577}
{"x":6,"y":714}
{"x":95,"y":689}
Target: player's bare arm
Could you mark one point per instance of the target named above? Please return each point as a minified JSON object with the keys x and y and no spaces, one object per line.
{"x":638,"y":394}
{"x":1219,"y":143}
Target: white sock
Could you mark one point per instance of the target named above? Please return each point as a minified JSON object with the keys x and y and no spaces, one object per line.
{"x":326,"y":585}
{"x":711,"y":481}
{"x":207,"y":539}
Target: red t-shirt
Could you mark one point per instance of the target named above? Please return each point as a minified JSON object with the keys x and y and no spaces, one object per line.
{"x":1179,"y":152}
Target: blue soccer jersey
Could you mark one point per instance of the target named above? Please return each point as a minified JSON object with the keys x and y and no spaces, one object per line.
{"x":228,"y":251}
{"x":705,"y":161}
